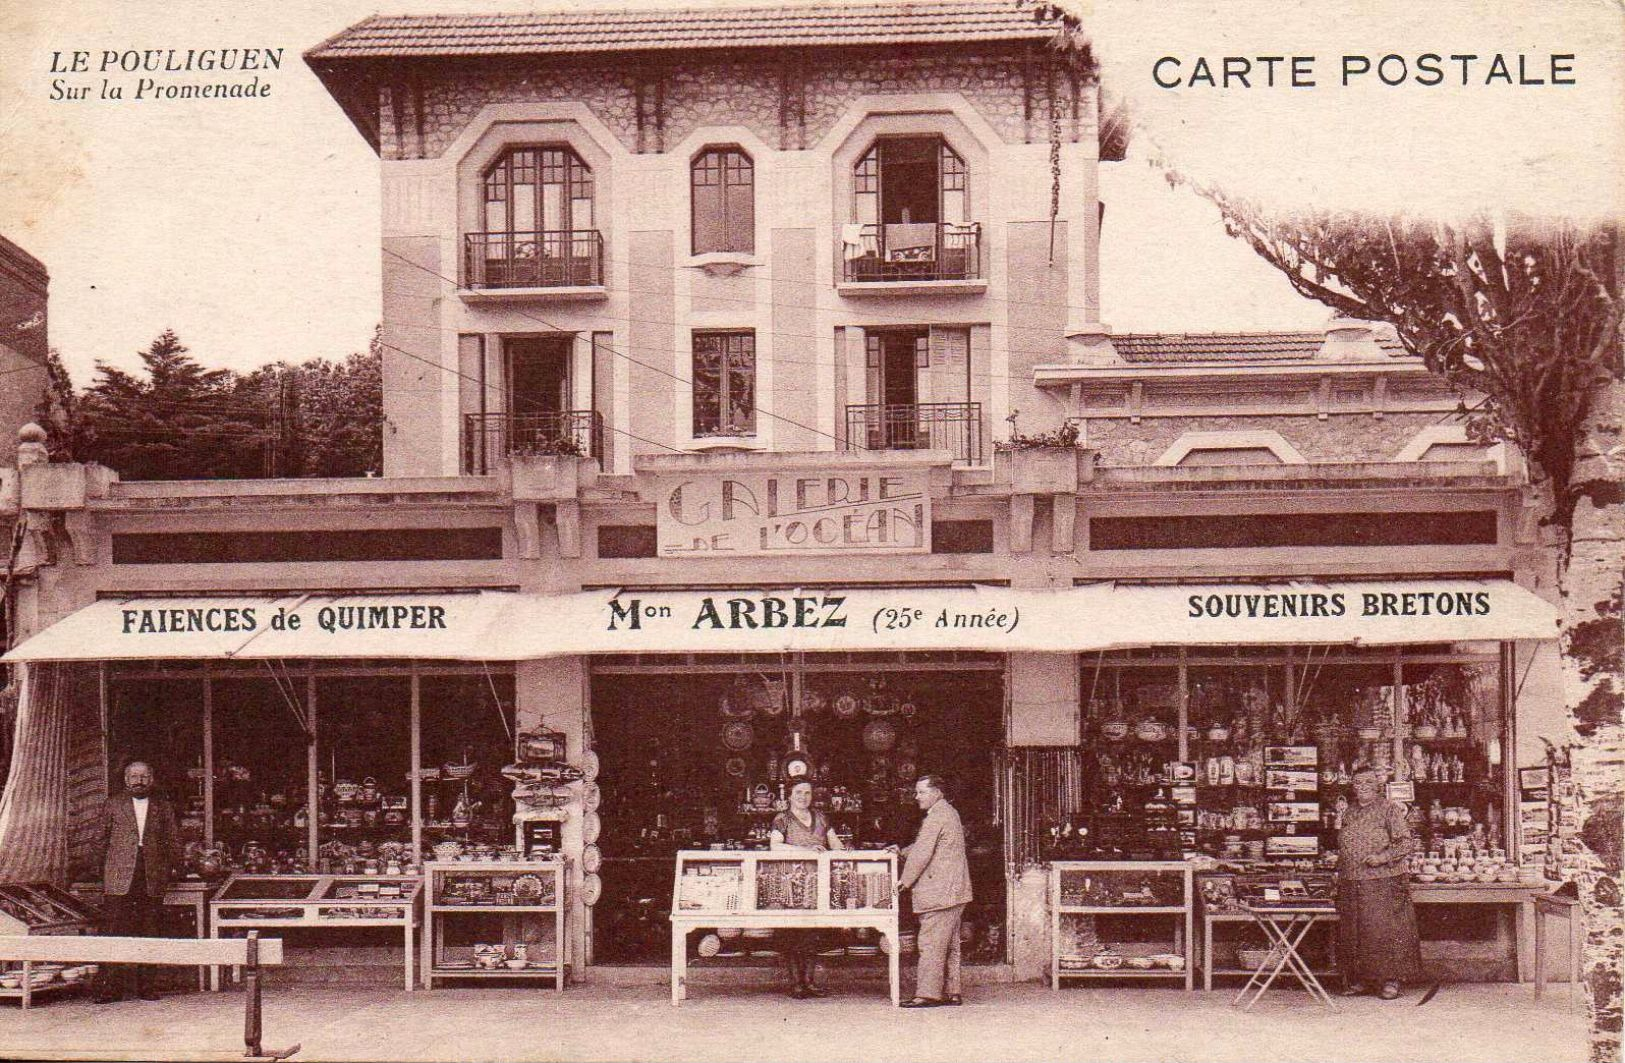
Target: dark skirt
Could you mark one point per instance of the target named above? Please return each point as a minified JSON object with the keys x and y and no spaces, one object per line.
{"x":1376,"y":931}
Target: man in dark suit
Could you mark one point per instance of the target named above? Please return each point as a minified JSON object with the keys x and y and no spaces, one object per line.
{"x":140,"y":849}
{"x":937,"y":874}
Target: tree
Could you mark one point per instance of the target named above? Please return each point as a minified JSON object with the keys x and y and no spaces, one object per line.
{"x":327,"y":416}
{"x":1525,"y":313}
{"x":179,"y":421}
{"x":58,"y":410}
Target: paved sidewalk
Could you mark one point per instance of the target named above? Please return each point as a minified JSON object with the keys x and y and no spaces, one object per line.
{"x":1482,"y":1023}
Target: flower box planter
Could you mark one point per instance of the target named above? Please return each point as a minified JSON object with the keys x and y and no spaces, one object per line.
{"x":548,"y":477}
{"x":1039,"y":470}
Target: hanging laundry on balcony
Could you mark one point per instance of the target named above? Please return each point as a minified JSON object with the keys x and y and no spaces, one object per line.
{"x":911,"y":242}
{"x":852,"y":241}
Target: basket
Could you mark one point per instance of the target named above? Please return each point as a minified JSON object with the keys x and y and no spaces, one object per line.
{"x":1252,"y":959}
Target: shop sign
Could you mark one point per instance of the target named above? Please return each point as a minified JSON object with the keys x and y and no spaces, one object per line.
{"x":763,"y":514}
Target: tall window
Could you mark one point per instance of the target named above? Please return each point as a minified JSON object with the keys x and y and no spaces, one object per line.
{"x":909,"y":180}
{"x":538,"y":190}
{"x":724,"y":201}
{"x":724,"y":384}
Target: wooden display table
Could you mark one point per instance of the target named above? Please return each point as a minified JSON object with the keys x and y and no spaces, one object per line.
{"x":522,"y":894}
{"x":1513,"y":900}
{"x":316,"y":902}
{"x":1552,"y":906}
{"x":1090,"y":889}
{"x":784,"y":890}
{"x":192,"y":893}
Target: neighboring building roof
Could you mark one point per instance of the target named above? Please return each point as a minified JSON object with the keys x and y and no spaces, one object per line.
{"x":23,"y":265}
{"x":1180,"y":347}
{"x":923,"y":22}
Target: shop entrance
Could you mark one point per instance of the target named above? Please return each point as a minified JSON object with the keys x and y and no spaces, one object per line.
{"x":692,"y":749}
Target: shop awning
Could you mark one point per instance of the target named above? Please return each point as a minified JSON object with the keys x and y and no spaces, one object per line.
{"x":499,"y":626}
{"x":425,"y":626}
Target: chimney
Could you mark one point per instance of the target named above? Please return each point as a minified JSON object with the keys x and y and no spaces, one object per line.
{"x":1351,"y":340}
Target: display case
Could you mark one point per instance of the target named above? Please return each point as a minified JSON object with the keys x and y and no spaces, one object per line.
{"x":248,"y":902}
{"x":41,"y":908}
{"x":1120,"y":919}
{"x":784,"y":889}
{"x":502,"y":919}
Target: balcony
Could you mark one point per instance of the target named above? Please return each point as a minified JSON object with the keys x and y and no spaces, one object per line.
{"x":489,"y":438}
{"x":952,"y":426}
{"x":563,"y":264}
{"x":912,"y":258}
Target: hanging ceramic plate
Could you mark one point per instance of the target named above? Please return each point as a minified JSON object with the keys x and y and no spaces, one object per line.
{"x":846,"y":706}
{"x":906,"y":770}
{"x":589,"y":765}
{"x":591,"y":859}
{"x":907,"y":708}
{"x":592,"y":825}
{"x":592,"y":798}
{"x":879,"y":736}
{"x":592,"y":887}
{"x":735,"y":767}
{"x":737,"y":735}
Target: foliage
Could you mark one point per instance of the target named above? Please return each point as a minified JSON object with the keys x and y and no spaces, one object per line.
{"x":176,"y":420}
{"x":561,"y":445}
{"x":1065,"y":436}
{"x":58,"y":410}
{"x":1525,"y":313}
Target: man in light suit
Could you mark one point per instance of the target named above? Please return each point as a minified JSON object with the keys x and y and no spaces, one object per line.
{"x":936,"y":873}
{"x":140,"y":849}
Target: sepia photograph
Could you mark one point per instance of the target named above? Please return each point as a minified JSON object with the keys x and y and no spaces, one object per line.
{"x":701,"y":530}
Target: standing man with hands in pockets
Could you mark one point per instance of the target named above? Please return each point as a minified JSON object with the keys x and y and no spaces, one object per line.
{"x":935,"y":870}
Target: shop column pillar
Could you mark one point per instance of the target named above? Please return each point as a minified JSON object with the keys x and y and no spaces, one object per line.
{"x":1043,"y":712}
{"x":552,"y":694}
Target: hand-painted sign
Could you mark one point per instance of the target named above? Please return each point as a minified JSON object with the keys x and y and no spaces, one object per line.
{"x":741,"y":514}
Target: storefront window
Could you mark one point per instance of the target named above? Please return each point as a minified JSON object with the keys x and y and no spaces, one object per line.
{"x":364,"y":754}
{"x":694,"y":760}
{"x":467,"y":738}
{"x":260,"y":774}
{"x":1248,"y":753}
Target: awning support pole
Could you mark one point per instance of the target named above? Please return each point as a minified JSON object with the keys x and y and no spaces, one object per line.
{"x":208,"y":757}
{"x":417,"y":762}
{"x":313,"y":781}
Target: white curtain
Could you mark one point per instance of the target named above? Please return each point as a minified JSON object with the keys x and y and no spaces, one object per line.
{"x":34,"y":807}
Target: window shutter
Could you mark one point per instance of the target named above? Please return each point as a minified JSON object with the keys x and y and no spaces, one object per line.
{"x":948,"y":378}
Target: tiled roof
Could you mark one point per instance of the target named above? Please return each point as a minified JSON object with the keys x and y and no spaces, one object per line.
{"x":1178,"y":347}
{"x":923,"y":22}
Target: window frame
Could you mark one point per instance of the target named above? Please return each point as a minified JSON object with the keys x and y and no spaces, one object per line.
{"x":728,"y":157}
{"x":726,"y":427}
{"x":577,"y":178}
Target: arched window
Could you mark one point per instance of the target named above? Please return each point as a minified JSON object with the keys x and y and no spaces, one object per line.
{"x":538,"y":218}
{"x":538,"y":190}
{"x":910,"y":214}
{"x":723,"y":183}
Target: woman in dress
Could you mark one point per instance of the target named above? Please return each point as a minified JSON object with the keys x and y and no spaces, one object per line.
{"x":802,"y":827}
{"x":1377,"y":943}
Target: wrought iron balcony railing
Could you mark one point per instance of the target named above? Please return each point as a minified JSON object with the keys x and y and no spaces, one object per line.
{"x":566,"y":258}
{"x":917,"y":251}
{"x":489,"y":438}
{"x":952,"y":426}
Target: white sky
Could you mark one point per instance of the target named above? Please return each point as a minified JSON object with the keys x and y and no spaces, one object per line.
{"x":251,"y":227}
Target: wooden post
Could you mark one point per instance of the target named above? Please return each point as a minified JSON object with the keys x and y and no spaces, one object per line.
{"x":251,"y":990}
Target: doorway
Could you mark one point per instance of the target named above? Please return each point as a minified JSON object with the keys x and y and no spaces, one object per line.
{"x":538,"y":388}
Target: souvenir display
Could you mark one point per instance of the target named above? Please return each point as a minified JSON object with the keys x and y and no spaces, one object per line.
{"x":517,"y":906}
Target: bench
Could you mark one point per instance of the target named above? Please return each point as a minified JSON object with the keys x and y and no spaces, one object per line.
{"x":250,"y":953}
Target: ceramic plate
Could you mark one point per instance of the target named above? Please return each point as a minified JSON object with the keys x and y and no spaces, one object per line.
{"x":591,"y":827}
{"x":592,"y":798}
{"x":591,"y":859}
{"x":592,"y":887}
{"x":589,"y":765}
{"x":737,"y":735}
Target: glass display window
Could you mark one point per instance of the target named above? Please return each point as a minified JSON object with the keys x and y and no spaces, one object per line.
{"x":467,"y":737}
